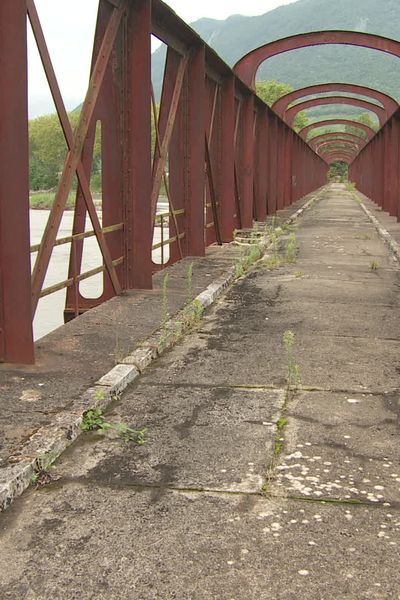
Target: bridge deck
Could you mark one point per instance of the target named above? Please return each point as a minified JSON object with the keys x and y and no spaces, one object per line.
{"x":184,"y":516}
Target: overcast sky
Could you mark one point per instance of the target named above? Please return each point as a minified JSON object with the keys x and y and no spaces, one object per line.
{"x":69,"y":30}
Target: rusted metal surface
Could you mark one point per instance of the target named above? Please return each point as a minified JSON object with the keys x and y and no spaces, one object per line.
{"x":342,"y":144}
{"x":304,"y":133}
{"x":281,"y":105}
{"x":376,"y":169}
{"x":16,"y":343}
{"x":246,"y":68}
{"x":316,"y":141}
{"x":224,"y":157}
{"x":380,"y":112}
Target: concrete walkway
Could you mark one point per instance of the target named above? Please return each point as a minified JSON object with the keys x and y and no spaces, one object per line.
{"x":242,"y":491}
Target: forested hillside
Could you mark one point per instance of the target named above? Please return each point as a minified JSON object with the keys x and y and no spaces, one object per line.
{"x":238,"y":35}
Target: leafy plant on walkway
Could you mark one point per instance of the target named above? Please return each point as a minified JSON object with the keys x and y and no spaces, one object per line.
{"x":374,"y":265}
{"x":190,"y":282}
{"x":291,"y":247}
{"x":94,"y":420}
{"x":250,"y":255}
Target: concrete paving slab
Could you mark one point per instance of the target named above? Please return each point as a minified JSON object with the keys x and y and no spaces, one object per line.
{"x":125,"y":521}
{"x":354,"y":270}
{"x":198,"y":437}
{"x":330,"y":362}
{"x":118,"y":543}
{"x":342,"y":446}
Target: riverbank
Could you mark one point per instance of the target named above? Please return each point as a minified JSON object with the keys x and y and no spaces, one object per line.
{"x":44,"y":200}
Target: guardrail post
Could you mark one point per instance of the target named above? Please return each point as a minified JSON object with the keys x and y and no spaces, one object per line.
{"x":16,"y":338}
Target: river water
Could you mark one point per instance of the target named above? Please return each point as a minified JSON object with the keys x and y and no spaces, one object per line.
{"x":49,"y":314}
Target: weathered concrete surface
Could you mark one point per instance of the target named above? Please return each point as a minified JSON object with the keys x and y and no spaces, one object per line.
{"x":75,"y":356}
{"x":183,"y":516}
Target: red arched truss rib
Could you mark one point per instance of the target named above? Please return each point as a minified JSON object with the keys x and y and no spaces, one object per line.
{"x":281,"y":105}
{"x":328,"y":122}
{"x":380,"y":112}
{"x":247,"y":66}
{"x":339,"y":157}
{"x":326,"y":146}
{"x":320,"y":139}
{"x":333,"y":153}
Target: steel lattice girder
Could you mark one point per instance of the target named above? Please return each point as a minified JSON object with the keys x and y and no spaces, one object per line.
{"x":376,"y":168}
{"x":281,"y":105}
{"x":255,"y":163}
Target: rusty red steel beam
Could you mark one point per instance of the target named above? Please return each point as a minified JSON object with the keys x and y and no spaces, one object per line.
{"x":387,"y":102}
{"x":258,"y":179}
{"x":381,"y":113}
{"x":246,"y":68}
{"x":332,"y":146}
{"x":16,"y":338}
{"x":335,"y":153}
{"x":303,"y":133}
{"x":315,"y":141}
{"x":339,"y":158}
{"x":162,"y":154}
{"x":343,"y":139}
{"x":69,"y":137}
{"x":72,"y":162}
{"x":376,"y":168}
{"x":327,"y":146}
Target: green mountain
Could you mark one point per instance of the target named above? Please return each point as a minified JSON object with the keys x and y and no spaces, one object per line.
{"x":237,"y":35}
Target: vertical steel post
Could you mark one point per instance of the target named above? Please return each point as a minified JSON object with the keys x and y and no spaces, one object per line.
{"x":260,"y":163}
{"x":195,"y":153}
{"x":227,"y":168}
{"x":272,"y":166}
{"x":247,"y":162}
{"x":16,"y":338}
{"x":137,"y":192}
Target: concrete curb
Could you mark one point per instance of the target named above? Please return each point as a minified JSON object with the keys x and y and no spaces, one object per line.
{"x":383,"y":233}
{"x":49,"y":442}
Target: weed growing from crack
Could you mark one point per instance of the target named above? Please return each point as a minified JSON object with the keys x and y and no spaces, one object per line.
{"x":273,"y":262}
{"x":291,"y":247}
{"x":165,"y":303}
{"x":280,"y":427}
{"x":374,"y":265}
{"x":362,"y":236}
{"x":292,"y":384}
{"x":41,"y":476}
{"x":299,"y":274}
{"x":250,"y":255}
{"x":190,"y":282}
{"x":187,"y":320}
{"x":94,"y":420}
{"x":293,"y":376}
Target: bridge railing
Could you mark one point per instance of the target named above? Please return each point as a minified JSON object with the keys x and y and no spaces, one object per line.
{"x":376,"y":170}
{"x":219,"y":157}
